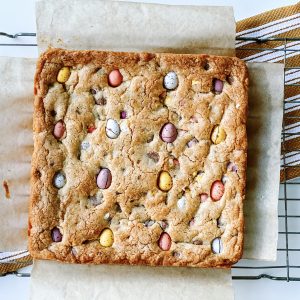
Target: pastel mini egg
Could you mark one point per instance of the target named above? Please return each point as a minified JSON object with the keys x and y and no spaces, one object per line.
{"x":171,"y":81}
{"x":59,"y":180}
{"x":216,"y":245}
{"x":106,"y":237}
{"x":168,"y":133}
{"x":112,"y":129}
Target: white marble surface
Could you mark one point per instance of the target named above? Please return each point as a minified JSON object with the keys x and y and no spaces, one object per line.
{"x":18,"y":16}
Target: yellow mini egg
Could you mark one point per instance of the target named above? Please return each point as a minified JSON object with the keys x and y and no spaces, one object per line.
{"x":168,"y":100}
{"x":218,"y":135}
{"x":165,"y":181}
{"x":106,"y":237}
{"x":63,"y":74}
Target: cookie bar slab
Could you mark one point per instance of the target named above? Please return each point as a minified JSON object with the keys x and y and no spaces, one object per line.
{"x":139,"y":158}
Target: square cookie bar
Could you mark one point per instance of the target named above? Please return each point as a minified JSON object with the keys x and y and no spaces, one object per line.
{"x":139,"y":158}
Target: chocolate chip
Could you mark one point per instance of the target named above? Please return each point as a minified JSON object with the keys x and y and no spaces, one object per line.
{"x":93,"y":91}
{"x":37,"y":173}
{"x":176,"y":162}
{"x":230,"y":79}
{"x":98,"y":96}
{"x":101,"y":101}
{"x":198,"y":242}
{"x":78,"y":111}
{"x":154,"y":156}
{"x":206,"y":66}
{"x":163,"y":95}
{"x":56,"y":235}
{"x":176,"y":254}
{"x":150,"y":139}
{"x":163,"y":224}
{"x":53,"y":113}
{"x":118,"y":207}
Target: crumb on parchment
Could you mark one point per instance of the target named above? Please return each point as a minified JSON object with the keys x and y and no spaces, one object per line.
{"x":6,"y":189}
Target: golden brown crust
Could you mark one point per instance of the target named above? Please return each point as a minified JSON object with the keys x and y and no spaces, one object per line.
{"x":133,"y":197}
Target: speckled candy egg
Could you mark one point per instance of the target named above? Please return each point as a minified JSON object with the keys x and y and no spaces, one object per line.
{"x":112,"y":129}
{"x":217,"y":246}
{"x":165,"y":241}
{"x":171,"y":81}
{"x":168,"y":133}
{"x":104,"y":178}
{"x":59,"y":180}
{"x":59,"y":130}
{"x":217,"y":190}
{"x":165,"y":182}
{"x":106,"y":237}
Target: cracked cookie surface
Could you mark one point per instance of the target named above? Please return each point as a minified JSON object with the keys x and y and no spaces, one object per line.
{"x":139,"y":158}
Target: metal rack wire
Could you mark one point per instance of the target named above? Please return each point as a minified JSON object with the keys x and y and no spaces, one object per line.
{"x":286,"y":268}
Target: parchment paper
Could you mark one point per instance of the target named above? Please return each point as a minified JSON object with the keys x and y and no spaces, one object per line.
{"x":125,"y":26}
{"x":71,"y":282}
{"x":16,"y":94}
{"x":263,"y":170}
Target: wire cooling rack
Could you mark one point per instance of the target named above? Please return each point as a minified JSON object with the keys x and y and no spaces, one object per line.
{"x":287,"y":266}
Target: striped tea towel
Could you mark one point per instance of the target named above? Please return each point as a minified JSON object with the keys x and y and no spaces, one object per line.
{"x":283,"y":22}
{"x":12,"y":261}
